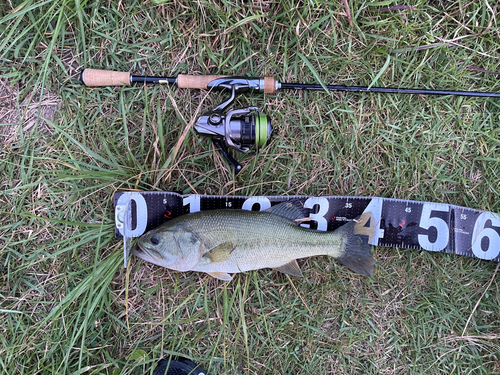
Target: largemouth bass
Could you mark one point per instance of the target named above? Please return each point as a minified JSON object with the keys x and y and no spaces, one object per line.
{"x":221,"y":242}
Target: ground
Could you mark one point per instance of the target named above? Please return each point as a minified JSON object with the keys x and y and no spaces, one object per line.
{"x":67,"y":305}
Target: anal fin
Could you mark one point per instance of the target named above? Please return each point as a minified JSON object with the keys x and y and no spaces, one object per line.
{"x":221,"y":275}
{"x":290,"y":268}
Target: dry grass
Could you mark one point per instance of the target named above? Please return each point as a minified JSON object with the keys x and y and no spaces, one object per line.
{"x":21,"y":116}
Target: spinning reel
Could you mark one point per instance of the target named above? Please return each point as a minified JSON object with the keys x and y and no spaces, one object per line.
{"x":241,"y":129}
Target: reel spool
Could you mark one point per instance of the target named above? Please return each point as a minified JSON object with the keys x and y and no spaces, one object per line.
{"x":240,"y":129}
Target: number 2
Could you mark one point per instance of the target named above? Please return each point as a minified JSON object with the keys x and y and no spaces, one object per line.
{"x":264,"y":203}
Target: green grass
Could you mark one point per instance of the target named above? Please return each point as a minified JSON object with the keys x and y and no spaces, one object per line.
{"x":67,"y":306}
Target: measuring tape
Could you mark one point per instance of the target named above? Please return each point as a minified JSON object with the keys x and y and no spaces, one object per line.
{"x":401,"y":223}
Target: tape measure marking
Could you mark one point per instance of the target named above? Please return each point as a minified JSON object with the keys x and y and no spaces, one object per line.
{"x":428,"y":226}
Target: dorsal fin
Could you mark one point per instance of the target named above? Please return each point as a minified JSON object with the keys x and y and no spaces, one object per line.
{"x":293,"y":210}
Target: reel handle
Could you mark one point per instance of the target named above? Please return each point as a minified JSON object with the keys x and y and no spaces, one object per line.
{"x":223,"y":150}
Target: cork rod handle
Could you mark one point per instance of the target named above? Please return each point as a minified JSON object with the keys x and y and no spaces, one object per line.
{"x":98,"y":77}
{"x":185,"y":81}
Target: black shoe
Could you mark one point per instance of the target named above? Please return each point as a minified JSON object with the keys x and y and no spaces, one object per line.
{"x":174,"y":365}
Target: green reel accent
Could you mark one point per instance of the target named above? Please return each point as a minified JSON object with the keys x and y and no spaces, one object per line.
{"x":263,"y":130}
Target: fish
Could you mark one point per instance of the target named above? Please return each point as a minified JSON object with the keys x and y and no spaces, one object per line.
{"x":228,"y":241}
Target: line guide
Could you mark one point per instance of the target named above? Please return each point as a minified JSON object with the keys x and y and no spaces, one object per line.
{"x":400,"y":223}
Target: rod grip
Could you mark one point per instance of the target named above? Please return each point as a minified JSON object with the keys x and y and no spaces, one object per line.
{"x":185,"y":81}
{"x":99,"y":77}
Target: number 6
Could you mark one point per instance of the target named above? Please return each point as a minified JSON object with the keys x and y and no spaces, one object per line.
{"x":480,"y":232}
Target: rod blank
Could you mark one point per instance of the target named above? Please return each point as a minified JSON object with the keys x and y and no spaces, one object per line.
{"x":386,"y":90}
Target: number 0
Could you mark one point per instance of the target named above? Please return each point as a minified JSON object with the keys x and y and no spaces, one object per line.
{"x":141,"y":214}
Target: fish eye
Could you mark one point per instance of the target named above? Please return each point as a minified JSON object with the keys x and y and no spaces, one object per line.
{"x":155,"y":240}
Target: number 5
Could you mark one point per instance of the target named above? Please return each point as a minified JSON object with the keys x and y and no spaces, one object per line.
{"x":426,"y":221}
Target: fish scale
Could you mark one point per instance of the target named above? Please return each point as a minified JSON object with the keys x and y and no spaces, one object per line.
{"x":261,"y":240}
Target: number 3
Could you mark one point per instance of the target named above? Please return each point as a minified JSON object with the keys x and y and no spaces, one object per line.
{"x":324,"y":206}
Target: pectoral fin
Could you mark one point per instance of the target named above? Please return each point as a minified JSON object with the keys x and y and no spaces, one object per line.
{"x":220,"y":253}
{"x":290,"y":268}
{"x":221,"y":275}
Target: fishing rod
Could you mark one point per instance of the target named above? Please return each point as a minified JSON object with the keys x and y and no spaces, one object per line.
{"x":244,"y":128}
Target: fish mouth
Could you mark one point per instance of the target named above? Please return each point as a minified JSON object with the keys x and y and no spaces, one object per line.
{"x":136,"y":250}
{"x":145,"y":254}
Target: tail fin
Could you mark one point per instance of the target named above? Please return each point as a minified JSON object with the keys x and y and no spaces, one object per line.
{"x":356,"y":255}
